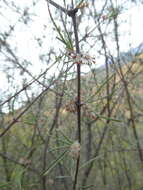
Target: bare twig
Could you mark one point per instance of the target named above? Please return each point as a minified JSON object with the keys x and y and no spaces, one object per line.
{"x":24,"y":111}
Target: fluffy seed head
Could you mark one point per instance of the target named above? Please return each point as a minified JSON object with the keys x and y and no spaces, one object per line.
{"x":75,"y":150}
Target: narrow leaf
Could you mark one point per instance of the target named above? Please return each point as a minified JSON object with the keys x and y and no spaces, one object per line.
{"x":58,"y":148}
{"x":86,"y":187}
{"x":62,"y":177}
{"x":90,"y":161}
{"x":4,"y":185}
{"x":103,"y":84}
{"x":66,"y":137}
{"x":107,"y":118}
{"x":55,"y":162}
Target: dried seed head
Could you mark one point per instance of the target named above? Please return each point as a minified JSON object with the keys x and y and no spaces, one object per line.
{"x":75,"y":150}
{"x":50,"y":181}
{"x":24,"y":161}
{"x":82,"y":5}
{"x":71,"y":107}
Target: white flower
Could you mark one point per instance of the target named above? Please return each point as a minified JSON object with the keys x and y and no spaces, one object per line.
{"x":80,"y":58}
{"x":75,"y":150}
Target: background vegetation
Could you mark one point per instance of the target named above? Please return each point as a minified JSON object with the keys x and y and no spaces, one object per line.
{"x":65,"y":123}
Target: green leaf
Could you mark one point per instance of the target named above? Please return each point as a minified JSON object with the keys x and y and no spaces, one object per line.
{"x":62,"y":177}
{"x":58,"y":148}
{"x":67,"y":41}
{"x":65,"y":142}
{"x":19,"y":178}
{"x":90,"y":161}
{"x":4,"y":185}
{"x":108,"y":118}
{"x":103,"y":84}
{"x":55,"y":162}
{"x":86,"y":187}
{"x":66,"y":137}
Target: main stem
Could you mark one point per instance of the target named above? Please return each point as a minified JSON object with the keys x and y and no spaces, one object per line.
{"x":72,"y":14}
{"x":78,"y":101}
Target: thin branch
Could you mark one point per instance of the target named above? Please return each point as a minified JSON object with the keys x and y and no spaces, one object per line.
{"x":23,"y":112}
{"x":4,"y":156}
{"x":126,"y":89}
{"x":57,"y":6}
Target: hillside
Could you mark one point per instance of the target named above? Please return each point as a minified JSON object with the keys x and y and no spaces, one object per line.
{"x":112,"y":133}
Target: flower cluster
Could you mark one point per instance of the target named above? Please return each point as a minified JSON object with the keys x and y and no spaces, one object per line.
{"x":71,"y":107}
{"x":82,"y":5}
{"x":75,"y":150}
{"x":80,"y":58}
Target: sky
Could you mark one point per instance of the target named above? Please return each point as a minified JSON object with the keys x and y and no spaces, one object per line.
{"x":134,"y":25}
{"x":131,"y":33}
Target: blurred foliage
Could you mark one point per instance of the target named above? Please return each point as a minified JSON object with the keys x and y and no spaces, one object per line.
{"x":117,"y":166}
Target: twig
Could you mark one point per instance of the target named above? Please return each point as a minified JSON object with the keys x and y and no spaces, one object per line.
{"x":57,"y":6}
{"x":4,"y":156}
{"x":23,"y":112}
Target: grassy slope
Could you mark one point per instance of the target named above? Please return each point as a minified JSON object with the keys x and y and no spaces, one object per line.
{"x":28,"y":134}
